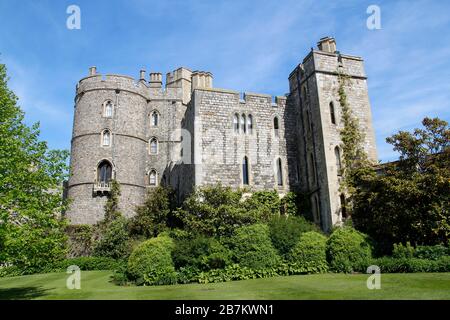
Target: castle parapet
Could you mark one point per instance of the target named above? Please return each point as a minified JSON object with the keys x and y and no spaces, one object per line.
{"x":201,"y":79}
{"x":155,"y":80}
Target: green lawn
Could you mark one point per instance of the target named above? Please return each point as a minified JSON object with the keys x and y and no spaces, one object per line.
{"x":96,"y":285}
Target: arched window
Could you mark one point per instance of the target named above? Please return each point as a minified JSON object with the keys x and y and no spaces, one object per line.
{"x":236,"y":123}
{"x":337,"y":154}
{"x":343,"y":206}
{"x":108,"y":109}
{"x":276,"y":126}
{"x":106,"y":138}
{"x":332,"y":114}
{"x":279,"y":172}
{"x":152,"y":178}
{"x":245,"y":176}
{"x":104,"y":172}
{"x":154,"y":146}
{"x":250,"y":124}
{"x":155,"y":118}
{"x":243,"y":128}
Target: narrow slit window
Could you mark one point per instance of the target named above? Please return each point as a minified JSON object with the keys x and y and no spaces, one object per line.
{"x":276,"y":126}
{"x":332,"y":113}
{"x":108,"y":109}
{"x":279,"y":172}
{"x":236,"y":123}
{"x":106,"y":138}
{"x":155,"y":119}
{"x":245,"y":176}
{"x":153,"y":146}
{"x":152,"y":178}
{"x":250,"y":124}
{"x":243,"y":128}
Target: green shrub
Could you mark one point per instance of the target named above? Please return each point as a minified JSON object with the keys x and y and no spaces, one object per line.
{"x":346,"y":248}
{"x":160,"y":276}
{"x":201,"y":253}
{"x":408,"y":265}
{"x":252,"y":247}
{"x":149,"y":258}
{"x":285,"y":232}
{"x":310,"y":251}
{"x":431,"y":252}
{"x":89,"y":263}
{"x":187,"y":275}
{"x":114,"y":241}
{"x":153,"y":217}
{"x":217,"y":211}
{"x":264,"y":199}
{"x":403,"y":251}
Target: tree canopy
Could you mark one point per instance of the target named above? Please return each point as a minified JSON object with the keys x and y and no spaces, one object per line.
{"x":31,"y":176}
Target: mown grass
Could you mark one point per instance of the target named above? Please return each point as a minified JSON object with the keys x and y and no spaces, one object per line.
{"x":97,"y":285}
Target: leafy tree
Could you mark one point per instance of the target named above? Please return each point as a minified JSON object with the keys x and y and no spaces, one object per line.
{"x":216,"y":211}
{"x":154,"y":216}
{"x":113,"y":240}
{"x":31,"y":176}
{"x":410,"y":199}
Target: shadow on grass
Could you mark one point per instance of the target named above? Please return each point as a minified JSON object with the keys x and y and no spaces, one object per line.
{"x":21,"y":293}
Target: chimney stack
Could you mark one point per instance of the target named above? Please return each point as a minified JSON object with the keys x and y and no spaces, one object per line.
{"x":155,"y":80}
{"x":92,"y":71}
{"x":142,"y":75}
{"x":327,"y":44}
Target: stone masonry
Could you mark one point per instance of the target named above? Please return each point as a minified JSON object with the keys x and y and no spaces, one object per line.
{"x":206,"y":135}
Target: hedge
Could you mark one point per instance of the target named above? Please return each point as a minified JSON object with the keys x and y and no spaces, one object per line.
{"x":252,"y":247}
{"x":151,"y":261}
{"x":310,"y":251}
{"x":346,"y":248}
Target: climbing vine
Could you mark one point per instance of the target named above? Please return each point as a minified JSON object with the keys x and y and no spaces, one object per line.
{"x":112,"y":204}
{"x":354,"y":157}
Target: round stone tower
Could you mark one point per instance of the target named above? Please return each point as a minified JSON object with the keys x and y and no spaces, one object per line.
{"x":108,"y":142}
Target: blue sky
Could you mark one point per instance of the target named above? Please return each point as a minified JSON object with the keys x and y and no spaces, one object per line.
{"x":247,"y":45}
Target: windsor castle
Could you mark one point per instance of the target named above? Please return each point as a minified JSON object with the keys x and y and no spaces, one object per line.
{"x":188,"y":133}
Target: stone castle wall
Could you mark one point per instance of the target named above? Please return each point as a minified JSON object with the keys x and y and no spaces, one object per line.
{"x":197,"y":142}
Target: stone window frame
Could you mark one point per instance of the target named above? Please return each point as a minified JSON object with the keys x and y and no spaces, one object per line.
{"x":240,"y":128}
{"x":276,"y":132}
{"x":250,"y":120}
{"x":279,"y":164}
{"x":243,"y":123}
{"x":149,"y":173}
{"x":113,"y":168}
{"x":104,"y":109}
{"x":236,"y":125}
{"x":102,"y":138}
{"x":155,"y":111}
{"x":150,"y":146}
{"x":249,"y":175}
{"x":249,"y":171}
{"x":333,"y":114}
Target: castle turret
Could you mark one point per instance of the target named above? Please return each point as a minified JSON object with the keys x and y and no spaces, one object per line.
{"x":314,"y":86}
{"x":180,"y":78}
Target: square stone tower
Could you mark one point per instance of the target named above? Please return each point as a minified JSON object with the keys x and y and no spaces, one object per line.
{"x":314,"y":86}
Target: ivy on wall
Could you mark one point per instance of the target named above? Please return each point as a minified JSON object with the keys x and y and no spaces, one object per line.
{"x":354,"y":157}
